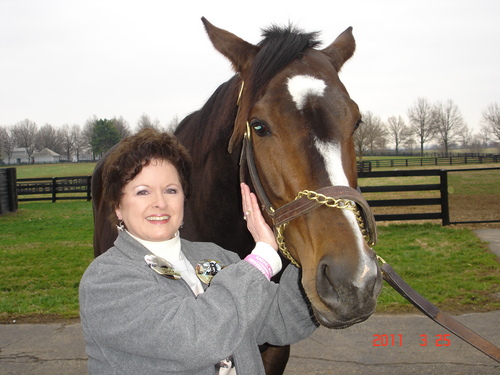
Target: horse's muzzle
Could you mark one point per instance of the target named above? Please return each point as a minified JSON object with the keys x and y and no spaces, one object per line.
{"x":345,"y":297}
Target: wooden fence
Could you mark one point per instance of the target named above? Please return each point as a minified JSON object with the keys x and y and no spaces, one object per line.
{"x":452,"y":160}
{"x":59,"y":188}
{"x":435,"y":197}
{"x":437,"y":206}
{"x":8,"y":196}
{"x":441,"y":210}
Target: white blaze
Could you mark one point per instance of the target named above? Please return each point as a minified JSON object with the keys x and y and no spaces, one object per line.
{"x":332,"y":155}
{"x":302,"y":86}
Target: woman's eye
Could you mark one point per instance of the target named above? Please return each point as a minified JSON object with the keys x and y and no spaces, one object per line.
{"x":171,"y":191}
{"x":260,"y":128}
{"x":142,"y":192}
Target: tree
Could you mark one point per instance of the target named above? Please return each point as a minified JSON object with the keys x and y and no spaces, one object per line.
{"x":24,"y":133}
{"x":370,"y":135}
{"x":47,"y":137}
{"x":67,"y":140}
{"x":104,"y":136}
{"x":87,"y":131}
{"x":448,"y":123}
{"x":397,"y":132}
{"x":121,"y":126}
{"x":7,"y":143}
{"x":79,"y":141}
{"x":420,"y":116}
{"x":145,"y":122}
{"x":491,"y":120}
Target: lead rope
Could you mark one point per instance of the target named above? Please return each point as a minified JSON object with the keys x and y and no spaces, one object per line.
{"x":322,"y":199}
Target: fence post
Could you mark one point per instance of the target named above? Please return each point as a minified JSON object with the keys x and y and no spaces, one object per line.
{"x":54,"y":187}
{"x":445,"y":208}
{"x":89,"y":196}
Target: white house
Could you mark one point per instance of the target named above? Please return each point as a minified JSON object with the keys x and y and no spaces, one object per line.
{"x":20,"y":156}
{"x":46,"y":156}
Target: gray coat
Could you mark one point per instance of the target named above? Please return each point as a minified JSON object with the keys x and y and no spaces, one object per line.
{"x":138,"y":322}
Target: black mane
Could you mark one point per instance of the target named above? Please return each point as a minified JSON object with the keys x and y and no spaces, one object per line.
{"x":213,"y":123}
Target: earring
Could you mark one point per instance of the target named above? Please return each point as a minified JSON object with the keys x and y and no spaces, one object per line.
{"x":120,"y":226}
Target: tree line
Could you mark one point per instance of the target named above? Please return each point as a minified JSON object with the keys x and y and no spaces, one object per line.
{"x":73,"y":143}
{"x":440,"y":122}
{"x":426,"y":122}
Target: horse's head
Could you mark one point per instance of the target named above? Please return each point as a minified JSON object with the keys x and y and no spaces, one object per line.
{"x":302,"y":121}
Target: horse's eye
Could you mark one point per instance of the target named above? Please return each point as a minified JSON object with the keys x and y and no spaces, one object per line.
{"x":260,"y":128}
{"x":358,"y":124}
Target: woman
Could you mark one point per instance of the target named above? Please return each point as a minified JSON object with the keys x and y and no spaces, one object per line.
{"x":157,"y":304}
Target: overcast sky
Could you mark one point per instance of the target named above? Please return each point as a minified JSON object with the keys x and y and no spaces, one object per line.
{"x":64,"y":61}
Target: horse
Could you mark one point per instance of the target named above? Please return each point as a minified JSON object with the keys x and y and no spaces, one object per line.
{"x":284,"y":123}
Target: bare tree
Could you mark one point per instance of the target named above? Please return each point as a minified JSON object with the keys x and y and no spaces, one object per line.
{"x":376,"y":131}
{"x":122,"y":126}
{"x":47,"y":137}
{"x":145,"y":122}
{"x":87,"y":134}
{"x":173,"y":124}
{"x":420,"y":116}
{"x":370,"y":135}
{"x":448,"y":123}
{"x":66,"y":140}
{"x":397,"y":132}
{"x":465,"y":136}
{"x":7,"y":143}
{"x":491,"y":120}
{"x":24,"y":133}
{"x":79,"y":141}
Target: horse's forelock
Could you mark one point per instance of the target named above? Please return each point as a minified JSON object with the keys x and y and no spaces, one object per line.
{"x":280,"y":46}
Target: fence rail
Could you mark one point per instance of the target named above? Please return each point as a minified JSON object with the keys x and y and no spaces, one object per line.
{"x":436,"y":202}
{"x":436,"y":161}
{"x":59,"y":188}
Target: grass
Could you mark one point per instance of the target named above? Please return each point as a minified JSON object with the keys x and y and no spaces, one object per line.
{"x":449,"y":266}
{"x":54,"y":170}
{"x":45,"y":248}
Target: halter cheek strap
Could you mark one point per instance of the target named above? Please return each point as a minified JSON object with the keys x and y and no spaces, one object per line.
{"x":306,"y":200}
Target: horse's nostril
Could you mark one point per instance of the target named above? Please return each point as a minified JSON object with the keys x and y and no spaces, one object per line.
{"x":326,"y":284}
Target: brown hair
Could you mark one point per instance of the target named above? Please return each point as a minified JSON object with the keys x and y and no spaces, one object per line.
{"x":133,"y":153}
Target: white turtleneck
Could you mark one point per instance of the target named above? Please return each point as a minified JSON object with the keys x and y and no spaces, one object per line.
{"x":170,"y":250}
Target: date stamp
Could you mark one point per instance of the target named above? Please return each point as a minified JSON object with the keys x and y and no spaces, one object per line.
{"x":397,"y":340}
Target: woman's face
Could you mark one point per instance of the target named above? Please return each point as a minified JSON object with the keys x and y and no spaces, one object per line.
{"x":152,"y":205}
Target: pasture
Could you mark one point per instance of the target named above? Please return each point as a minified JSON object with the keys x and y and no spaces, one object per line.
{"x":45,"y":248}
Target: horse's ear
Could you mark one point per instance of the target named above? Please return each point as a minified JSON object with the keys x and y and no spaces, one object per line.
{"x":238,"y":51}
{"x":341,"y":49}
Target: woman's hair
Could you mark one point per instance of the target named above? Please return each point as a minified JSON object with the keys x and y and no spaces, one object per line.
{"x":127,"y":159}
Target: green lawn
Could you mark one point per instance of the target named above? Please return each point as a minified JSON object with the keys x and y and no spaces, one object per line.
{"x":45,"y":248}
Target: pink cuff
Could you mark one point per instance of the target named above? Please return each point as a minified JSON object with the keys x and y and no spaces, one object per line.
{"x":260,"y":263}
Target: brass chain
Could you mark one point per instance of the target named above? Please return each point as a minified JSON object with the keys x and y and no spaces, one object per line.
{"x":322,"y":199}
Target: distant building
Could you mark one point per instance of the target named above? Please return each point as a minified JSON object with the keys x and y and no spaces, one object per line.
{"x":20,"y":156}
{"x":46,"y":156}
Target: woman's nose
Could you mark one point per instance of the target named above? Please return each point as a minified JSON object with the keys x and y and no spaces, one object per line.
{"x":159,"y":201}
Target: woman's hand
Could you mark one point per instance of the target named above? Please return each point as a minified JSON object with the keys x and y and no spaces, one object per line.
{"x":257,"y":226}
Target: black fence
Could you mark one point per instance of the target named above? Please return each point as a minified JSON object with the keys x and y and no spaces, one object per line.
{"x":433,"y":195}
{"x":8,"y":196}
{"x":59,"y":188}
{"x":437,"y":206}
{"x":436,"y":161}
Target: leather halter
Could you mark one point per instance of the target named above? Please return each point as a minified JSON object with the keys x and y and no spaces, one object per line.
{"x":345,"y":198}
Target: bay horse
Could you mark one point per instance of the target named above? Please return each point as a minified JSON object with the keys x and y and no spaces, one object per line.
{"x":286,"y":117}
